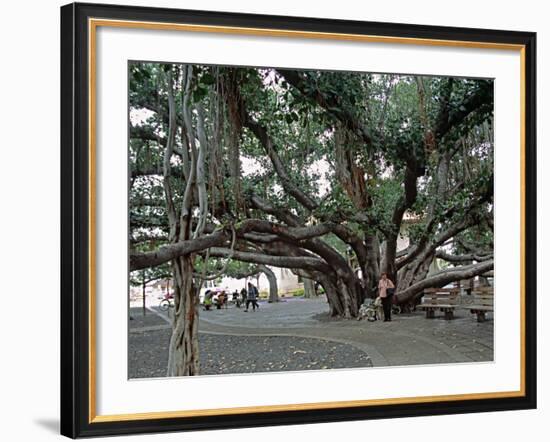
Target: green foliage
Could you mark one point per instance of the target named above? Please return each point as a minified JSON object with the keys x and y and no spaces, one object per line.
{"x":299,"y":292}
{"x":397,"y":111}
{"x":385,"y":195}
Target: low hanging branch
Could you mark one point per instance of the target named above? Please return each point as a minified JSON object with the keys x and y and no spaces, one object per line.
{"x":468,"y":219}
{"x":168,"y":252}
{"x":304,"y":262}
{"x":444,"y":277}
{"x":247,"y":229}
{"x":463,"y":258}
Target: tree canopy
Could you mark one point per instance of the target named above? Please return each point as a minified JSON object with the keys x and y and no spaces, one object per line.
{"x":319,"y":172}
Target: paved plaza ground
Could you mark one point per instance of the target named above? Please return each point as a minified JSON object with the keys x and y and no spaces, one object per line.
{"x":297,"y":334}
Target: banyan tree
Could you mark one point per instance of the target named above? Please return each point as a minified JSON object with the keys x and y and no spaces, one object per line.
{"x":337,"y":176}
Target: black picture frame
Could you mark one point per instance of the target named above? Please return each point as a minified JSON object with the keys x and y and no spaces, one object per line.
{"x":75,"y":220}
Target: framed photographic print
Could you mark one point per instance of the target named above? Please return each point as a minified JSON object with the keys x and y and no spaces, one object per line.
{"x":274,"y":220}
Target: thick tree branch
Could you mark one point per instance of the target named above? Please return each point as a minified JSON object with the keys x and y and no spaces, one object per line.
{"x":445,"y":277}
{"x":154,"y":170}
{"x":218,"y":238}
{"x":269,"y":147}
{"x":283,"y":215}
{"x":481,"y":256}
{"x":344,"y":233}
{"x":166,"y":253}
{"x":468,"y":219}
{"x":148,"y":238}
{"x":483,"y":96}
{"x":146,"y":133}
{"x":302,"y":262}
{"x":424,"y":245}
{"x":289,"y":233}
{"x":330,"y":102}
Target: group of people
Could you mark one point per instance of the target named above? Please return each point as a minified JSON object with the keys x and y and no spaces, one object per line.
{"x":246,"y":297}
{"x":249,"y":296}
{"x":209,"y":300}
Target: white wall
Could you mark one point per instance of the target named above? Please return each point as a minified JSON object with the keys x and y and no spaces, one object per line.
{"x":29,"y":170}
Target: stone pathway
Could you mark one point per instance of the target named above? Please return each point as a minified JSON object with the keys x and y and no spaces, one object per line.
{"x":409,"y":339}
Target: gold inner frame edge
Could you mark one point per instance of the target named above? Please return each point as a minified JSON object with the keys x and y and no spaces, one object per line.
{"x":93,"y":24}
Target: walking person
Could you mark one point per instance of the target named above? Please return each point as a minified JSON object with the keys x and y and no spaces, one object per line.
{"x":385,"y":291}
{"x":236,"y":299}
{"x":252,"y":297}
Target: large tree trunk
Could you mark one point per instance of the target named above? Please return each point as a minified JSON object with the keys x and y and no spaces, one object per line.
{"x":183,"y":351}
{"x":309,"y":288}
{"x":272,"y":279}
{"x":373,"y":266}
{"x":351,"y":294}
{"x":344,"y":297}
{"x":143,"y":287}
{"x":336,"y":306}
{"x":389,"y":256}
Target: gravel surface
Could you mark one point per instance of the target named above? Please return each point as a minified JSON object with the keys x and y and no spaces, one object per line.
{"x":223,"y":354}
{"x":138,"y":320}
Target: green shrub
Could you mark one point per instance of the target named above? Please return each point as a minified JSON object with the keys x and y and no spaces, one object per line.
{"x":300,"y":292}
{"x":297,"y":292}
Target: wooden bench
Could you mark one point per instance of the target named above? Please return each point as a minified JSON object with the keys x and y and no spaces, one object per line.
{"x":482,"y":302}
{"x":445,"y":300}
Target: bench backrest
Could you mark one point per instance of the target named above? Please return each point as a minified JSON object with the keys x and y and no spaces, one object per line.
{"x":483,"y":296}
{"x":441,"y":296}
{"x":483,"y":289}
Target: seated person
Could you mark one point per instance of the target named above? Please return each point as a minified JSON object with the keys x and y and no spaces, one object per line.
{"x":207,"y":300}
{"x":220,"y":300}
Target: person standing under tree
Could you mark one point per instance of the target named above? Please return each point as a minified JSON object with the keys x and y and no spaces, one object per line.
{"x":385,"y":291}
{"x":252,"y":297}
